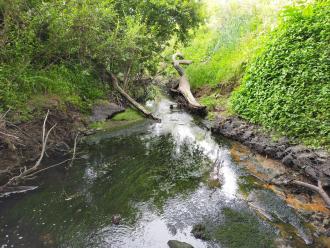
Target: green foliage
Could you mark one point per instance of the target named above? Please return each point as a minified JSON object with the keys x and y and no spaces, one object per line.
{"x":211,"y":101}
{"x":219,"y":62}
{"x":73,"y":85}
{"x":117,"y":34}
{"x":60,"y":46}
{"x":287,"y":87}
{"x":221,"y":49}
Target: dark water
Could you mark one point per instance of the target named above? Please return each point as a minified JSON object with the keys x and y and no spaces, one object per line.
{"x":161,"y":179}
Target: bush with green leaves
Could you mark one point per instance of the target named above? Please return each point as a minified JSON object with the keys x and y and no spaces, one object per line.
{"x":287,"y":86}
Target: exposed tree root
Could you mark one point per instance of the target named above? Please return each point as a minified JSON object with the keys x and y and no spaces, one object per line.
{"x":183,"y":87}
{"x":131,"y":101}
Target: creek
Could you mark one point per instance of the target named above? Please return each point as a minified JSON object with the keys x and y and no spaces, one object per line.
{"x":146,"y":184}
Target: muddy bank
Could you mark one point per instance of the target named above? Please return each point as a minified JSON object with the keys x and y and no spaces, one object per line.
{"x":309,"y":205}
{"x":313,"y":163}
{"x":21,"y":142}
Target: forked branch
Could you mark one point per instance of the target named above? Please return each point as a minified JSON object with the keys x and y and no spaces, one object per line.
{"x":30,"y":173}
{"x":318,"y":189}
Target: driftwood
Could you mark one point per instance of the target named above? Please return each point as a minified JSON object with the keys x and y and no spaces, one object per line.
{"x":318,"y":189}
{"x":131,"y":101}
{"x":183,"y":87}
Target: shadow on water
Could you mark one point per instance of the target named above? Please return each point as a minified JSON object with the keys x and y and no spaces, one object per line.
{"x":142,"y":186}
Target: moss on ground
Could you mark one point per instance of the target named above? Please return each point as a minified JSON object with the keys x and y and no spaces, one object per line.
{"x":121,"y":120}
{"x":128,"y":115}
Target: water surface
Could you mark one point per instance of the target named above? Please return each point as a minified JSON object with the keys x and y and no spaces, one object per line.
{"x":157,"y":180}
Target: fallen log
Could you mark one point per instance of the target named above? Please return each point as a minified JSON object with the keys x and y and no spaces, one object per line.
{"x":183,"y":87}
{"x":318,"y":189}
{"x":131,"y":101}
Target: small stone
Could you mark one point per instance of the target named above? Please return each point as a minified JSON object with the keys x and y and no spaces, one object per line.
{"x":116,"y":219}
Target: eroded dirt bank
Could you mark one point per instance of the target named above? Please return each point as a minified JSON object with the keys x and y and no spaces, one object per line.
{"x":21,"y":142}
{"x":313,"y":163}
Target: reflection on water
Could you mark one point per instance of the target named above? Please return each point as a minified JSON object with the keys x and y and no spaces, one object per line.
{"x":154,"y":179}
{"x":182,"y":128}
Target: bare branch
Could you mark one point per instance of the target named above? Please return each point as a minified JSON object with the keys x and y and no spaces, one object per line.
{"x":74,"y":150}
{"x":318,"y":189}
{"x":9,"y":135}
{"x":24,"y":172}
{"x":4,"y":115}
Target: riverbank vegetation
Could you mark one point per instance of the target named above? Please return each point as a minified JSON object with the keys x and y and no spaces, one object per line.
{"x":287,"y":85}
{"x":276,"y":57}
{"x":61,"y":48}
{"x":63,"y":56}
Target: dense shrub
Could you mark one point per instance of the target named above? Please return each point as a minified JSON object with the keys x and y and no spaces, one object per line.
{"x":125,"y":37}
{"x":287,"y":86}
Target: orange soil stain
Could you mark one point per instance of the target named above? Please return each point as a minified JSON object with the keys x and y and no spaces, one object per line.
{"x":265,"y":165}
{"x":316,"y":205}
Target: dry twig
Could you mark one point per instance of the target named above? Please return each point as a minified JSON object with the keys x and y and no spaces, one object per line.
{"x":30,"y":173}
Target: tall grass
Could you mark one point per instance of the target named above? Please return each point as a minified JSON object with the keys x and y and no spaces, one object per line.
{"x":75,"y":85}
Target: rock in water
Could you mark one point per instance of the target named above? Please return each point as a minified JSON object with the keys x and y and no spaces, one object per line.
{"x":105,"y":110}
{"x":199,"y":231}
{"x":116,"y":219}
{"x":178,"y":244}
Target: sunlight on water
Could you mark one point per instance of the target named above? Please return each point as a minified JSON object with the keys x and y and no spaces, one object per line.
{"x":158,"y":180}
{"x":154,"y":229}
{"x":182,"y":128}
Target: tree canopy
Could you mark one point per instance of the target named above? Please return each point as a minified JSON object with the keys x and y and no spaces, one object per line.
{"x":55,"y":37}
{"x":120,"y":34}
